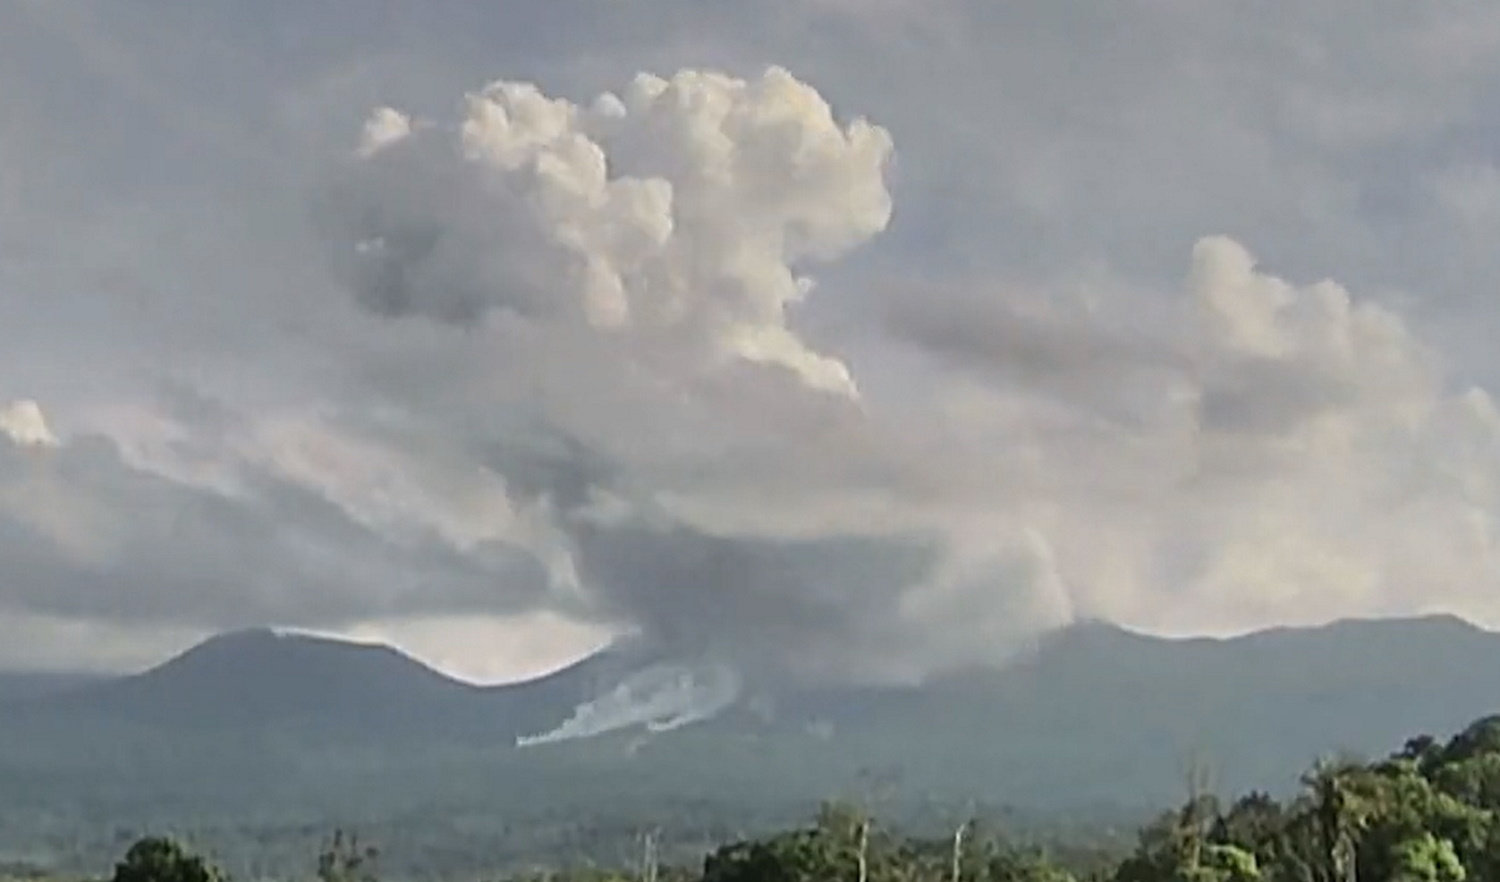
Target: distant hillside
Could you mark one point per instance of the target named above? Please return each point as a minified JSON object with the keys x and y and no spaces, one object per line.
{"x":1095,"y":713}
{"x":262,"y":680}
{"x":269,"y":686}
{"x":27,"y":685}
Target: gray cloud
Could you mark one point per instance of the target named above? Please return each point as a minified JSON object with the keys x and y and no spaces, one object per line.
{"x":1049,"y":419}
{"x":1265,"y":396}
{"x":87,"y":534}
{"x":750,"y":600}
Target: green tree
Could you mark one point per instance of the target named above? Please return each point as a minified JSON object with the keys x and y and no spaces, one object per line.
{"x":158,"y":859}
{"x":1255,"y":823}
{"x":1024,"y":866}
{"x":1426,"y":858}
{"x":1480,"y":738}
{"x":1339,"y":813}
{"x":343,"y":859}
{"x":1225,"y":863}
{"x":801,"y":856}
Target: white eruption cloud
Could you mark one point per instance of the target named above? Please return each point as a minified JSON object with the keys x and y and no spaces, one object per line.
{"x":681,"y":212}
{"x":610,"y":293}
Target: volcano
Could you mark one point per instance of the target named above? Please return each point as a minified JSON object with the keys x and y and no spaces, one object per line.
{"x":1093,"y":711}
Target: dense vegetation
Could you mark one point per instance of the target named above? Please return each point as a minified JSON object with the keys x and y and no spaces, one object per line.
{"x":1427,"y":813}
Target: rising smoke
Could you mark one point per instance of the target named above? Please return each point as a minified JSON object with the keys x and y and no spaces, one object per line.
{"x":623,"y":260}
{"x":625,"y":279}
{"x":660,"y":697}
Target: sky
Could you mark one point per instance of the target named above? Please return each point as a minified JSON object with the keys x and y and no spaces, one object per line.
{"x":823,"y":339}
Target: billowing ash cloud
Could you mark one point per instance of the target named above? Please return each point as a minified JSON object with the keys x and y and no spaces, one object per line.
{"x":612,"y":291}
{"x":680,"y":212}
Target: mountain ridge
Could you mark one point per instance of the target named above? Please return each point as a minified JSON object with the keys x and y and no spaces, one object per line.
{"x":614,"y":656}
{"x":1089,"y":712}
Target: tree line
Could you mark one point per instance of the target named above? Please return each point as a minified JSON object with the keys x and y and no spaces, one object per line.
{"x":1429,"y":812}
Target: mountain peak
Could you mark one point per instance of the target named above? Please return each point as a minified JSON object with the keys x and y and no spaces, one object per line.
{"x":241,"y":653}
{"x":261,"y":678}
{"x":246,"y":637}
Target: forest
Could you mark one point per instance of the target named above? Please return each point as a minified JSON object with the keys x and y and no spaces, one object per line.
{"x":1429,"y":812}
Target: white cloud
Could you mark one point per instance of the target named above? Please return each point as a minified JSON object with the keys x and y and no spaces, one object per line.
{"x":24,"y":424}
{"x":681,"y":213}
{"x":86,"y":533}
{"x":1298,"y":456}
{"x":384,"y":128}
